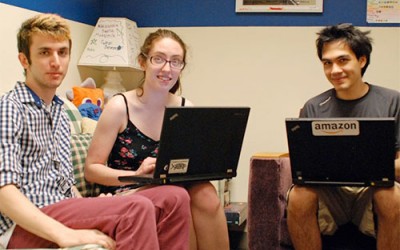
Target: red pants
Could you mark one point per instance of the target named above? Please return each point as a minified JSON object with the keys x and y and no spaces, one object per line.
{"x":155,"y":218}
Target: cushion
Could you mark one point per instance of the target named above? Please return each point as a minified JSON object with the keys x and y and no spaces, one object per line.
{"x":74,"y":115}
{"x":88,"y":95}
{"x":85,"y":247}
{"x":79,"y":147}
{"x":88,"y":125}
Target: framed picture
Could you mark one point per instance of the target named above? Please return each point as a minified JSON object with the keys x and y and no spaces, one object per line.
{"x":279,"y":5}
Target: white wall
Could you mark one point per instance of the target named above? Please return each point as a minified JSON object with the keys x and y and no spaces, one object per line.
{"x":274,"y":70}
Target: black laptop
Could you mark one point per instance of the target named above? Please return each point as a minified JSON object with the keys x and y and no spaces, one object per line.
{"x":342,"y":151}
{"x":197,"y":144}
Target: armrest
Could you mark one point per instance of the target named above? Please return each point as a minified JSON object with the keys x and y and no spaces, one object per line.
{"x":269,"y":180}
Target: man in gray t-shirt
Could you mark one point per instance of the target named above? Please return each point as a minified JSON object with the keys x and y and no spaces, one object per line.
{"x":345,"y":54}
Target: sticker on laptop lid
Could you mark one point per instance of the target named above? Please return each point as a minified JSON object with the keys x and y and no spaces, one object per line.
{"x":178,"y":166}
{"x":335,"y":128}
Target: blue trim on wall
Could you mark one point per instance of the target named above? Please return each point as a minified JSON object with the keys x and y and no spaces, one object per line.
{"x":188,"y":13}
{"x":83,"y":11}
{"x":192,"y":13}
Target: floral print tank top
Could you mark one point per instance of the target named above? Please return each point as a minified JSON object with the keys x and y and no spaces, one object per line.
{"x":131,"y":147}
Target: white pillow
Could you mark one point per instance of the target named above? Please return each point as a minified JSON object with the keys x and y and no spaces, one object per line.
{"x":88,"y":125}
{"x":74,"y":116}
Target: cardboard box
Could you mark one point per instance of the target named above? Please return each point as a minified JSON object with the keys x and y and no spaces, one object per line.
{"x":236,"y":213}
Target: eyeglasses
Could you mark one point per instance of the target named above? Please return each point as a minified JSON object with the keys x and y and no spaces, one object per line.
{"x":160,"y":62}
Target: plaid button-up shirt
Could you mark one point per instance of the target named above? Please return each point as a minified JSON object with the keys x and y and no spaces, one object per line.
{"x":34,"y":149}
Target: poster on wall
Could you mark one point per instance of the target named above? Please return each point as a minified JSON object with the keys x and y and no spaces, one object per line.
{"x":279,"y":5}
{"x":383,"y":11}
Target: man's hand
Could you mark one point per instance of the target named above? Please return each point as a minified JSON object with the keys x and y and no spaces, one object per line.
{"x":76,"y":192}
{"x":86,"y":236}
{"x":105,"y":195}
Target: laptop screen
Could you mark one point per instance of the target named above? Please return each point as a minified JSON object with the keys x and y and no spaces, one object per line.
{"x":342,"y":151}
{"x":201,"y":141}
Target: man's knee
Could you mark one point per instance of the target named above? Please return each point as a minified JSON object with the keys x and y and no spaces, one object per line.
{"x":137,"y":202}
{"x":387,"y":203}
{"x":176,"y":194}
{"x":302,"y":200}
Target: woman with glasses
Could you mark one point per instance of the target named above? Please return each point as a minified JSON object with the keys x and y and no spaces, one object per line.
{"x":128,"y":133}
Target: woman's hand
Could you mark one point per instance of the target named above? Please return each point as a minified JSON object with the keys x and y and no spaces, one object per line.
{"x":147,"y":166}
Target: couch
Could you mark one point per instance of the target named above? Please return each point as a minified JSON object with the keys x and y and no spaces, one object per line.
{"x":82,"y":129}
{"x":269,"y":180}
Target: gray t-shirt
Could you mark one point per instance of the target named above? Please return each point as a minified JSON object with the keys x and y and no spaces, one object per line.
{"x":378,"y":102}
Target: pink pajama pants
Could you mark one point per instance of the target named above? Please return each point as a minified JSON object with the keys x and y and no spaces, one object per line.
{"x":155,"y":218}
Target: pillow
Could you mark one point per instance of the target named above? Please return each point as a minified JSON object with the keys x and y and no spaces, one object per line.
{"x":74,"y":115}
{"x":88,"y":95}
{"x":88,"y":125}
{"x":85,"y":247}
{"x":79,"y":147}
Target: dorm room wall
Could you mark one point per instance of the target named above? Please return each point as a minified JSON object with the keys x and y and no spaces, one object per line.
{"x":273,"y":70}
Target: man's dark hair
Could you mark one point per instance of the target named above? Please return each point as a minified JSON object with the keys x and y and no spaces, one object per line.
{"x":358,"y":41}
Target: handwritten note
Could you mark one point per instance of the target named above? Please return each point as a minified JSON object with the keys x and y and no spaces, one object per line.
{"x":113,"y":43}
{"x":383,"y":11}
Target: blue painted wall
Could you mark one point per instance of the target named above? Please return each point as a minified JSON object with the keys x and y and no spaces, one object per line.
{"x":84,"y":11}
{"x":176,"y":13}
{"x":189,"y":13}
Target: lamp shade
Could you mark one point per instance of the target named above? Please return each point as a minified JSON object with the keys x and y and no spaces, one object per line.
{"x":114,"y":44}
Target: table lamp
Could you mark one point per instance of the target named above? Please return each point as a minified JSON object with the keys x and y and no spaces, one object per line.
{"x":113,"y":47}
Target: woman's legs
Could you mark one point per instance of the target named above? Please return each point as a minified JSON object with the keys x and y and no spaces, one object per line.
{"x":192,"y":237}
{"x":209,"y":221}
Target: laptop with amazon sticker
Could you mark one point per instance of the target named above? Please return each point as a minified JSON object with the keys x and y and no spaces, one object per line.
{"x":342,"y":151}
